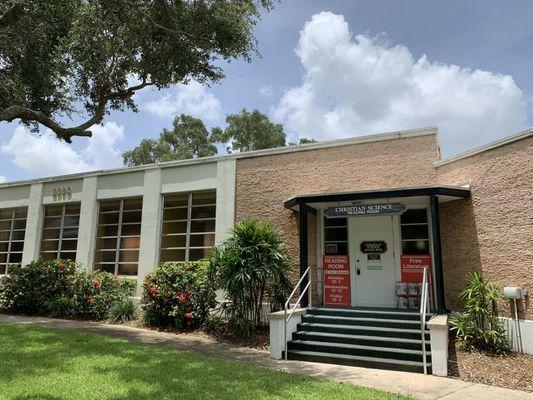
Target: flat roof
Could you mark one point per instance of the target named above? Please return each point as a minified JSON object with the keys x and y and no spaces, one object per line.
{"x":458,"y":192}
{"x":247,"y":154}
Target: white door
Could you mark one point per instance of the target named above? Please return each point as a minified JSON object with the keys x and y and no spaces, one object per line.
{"x":373,"y":274}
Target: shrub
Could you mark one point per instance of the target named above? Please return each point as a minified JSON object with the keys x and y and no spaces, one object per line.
{"x":122,"y":310}
{"x":61,"y":288}
{"x":177,"y":295}
{"x":478,"y":326}
{"x":249,"y":266}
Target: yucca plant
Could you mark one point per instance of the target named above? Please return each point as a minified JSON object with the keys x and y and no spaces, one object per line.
{"x":251,"y":265}
{"x":478,"y":326}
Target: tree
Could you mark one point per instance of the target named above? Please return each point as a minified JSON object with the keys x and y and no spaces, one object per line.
{"x":250,"y":131}
{"x":86,"y":58}
{"x":189,"y":138}
{"x":303,"y":141}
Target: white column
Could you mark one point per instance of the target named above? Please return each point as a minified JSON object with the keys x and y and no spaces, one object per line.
{"x":150,"y":224}
{"x":32,"y":238}
{"x":277,"y":330}
{"x":225,"y":214}
{"x":87,"y":227}
{"x":438,"y":330}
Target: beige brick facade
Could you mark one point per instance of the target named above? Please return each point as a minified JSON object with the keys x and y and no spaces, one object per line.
{"x":492,"y":231}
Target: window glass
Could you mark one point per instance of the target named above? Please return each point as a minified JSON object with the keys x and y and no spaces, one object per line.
{"x":336,"y":236}
{"x":188,"y":226}
{"x":118,"y":236}
{"x":12,"y":232}
{"x":415,"y":232}
{"x":60,"y":231}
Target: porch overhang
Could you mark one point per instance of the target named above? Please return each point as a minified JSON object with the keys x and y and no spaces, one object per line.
{"x":442,"y":192}
{"x":304,"y":204}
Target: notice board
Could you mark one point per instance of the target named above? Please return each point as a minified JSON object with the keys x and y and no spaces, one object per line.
{"x":336,"y":280}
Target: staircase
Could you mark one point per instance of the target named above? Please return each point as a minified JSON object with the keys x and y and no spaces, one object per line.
{"x":372,"y":338}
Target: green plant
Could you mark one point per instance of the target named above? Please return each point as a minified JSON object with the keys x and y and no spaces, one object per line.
{"x":250,"y":266}
{"x":478,"y":326}
{"x":122,"y":310}
{"x":61,"y":288}
{"x":178,"y":295}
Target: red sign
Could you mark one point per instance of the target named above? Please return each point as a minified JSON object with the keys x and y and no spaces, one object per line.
{"x":336,"y":280}
{"x":413,"y":267}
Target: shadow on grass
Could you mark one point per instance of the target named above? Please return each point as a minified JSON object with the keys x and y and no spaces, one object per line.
{"x":47,"y":364}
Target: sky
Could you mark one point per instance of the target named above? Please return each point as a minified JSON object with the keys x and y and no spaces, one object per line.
{"x":332,"y":69}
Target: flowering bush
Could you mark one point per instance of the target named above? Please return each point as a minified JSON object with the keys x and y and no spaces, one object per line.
{"x":61,"y":288}
{"x":177,"y":295}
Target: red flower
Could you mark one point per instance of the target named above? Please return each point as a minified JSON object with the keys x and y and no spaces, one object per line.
{"x":182,"y":298}
{"x":96,"y":283}
{"x":61,"y":266}
{"x":188,"y":309}
{"x":188,"y":315}
{"x":165,"y":295}
{"x":153,"y":290}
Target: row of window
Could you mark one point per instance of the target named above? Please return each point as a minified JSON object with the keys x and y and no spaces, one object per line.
{"x":414,"y":233}
{"x":187,"y":232}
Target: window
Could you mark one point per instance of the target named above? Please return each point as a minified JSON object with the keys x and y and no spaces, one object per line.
{"x":60,"y":231}
{"x":118,"y":236}
{"x":188,"y":230}
{"x":12,"y":231}
{"x":415,"y":232}
{"x":336,"y":235}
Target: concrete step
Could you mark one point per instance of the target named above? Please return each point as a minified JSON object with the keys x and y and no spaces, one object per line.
{"x":368,"y":313}
{"x":359,"y":321}
{"x":357,"y":361}
{"x":357,"y":330}
{"x":366,"y":340}
{"x":393,"y":353}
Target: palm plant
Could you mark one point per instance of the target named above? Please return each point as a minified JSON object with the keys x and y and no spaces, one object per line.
{"x":251,"y":266}
{"x":478,"y":326}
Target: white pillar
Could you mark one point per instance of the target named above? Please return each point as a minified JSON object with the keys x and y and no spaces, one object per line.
{"x":150,"y":224}
{"x":225,"y":214}
{"x":277,"y":328}
{"x":438,"y":329}
{"x":34,"y":221}
{"x":87,"y":227}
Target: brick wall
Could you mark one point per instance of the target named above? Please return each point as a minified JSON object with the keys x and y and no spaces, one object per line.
{"x":492,"y":231}
{"x":264,"y":183}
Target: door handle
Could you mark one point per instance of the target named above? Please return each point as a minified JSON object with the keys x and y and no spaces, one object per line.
{"x":358,"y":271}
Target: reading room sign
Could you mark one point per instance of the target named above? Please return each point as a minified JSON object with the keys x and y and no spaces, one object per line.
{"x":366,"y":209}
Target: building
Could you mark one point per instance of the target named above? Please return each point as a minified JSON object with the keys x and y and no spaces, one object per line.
{"x":469,"y":212}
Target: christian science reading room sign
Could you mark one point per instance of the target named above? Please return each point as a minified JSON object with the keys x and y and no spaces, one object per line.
{"x":336,"y":280}
{"x":365,"y":209}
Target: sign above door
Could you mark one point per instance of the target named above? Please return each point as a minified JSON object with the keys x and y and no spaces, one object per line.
{"x":365,"y":209}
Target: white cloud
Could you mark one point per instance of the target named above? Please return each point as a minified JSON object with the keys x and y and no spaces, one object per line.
{"x":3,"y":179}
{"x":46,"y":155}
{"x":359,"y":85}
{"x":267,"y":90}
{"x":193,"y":99}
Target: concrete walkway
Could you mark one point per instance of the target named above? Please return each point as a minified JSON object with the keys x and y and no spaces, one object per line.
{"x":416,"y":385}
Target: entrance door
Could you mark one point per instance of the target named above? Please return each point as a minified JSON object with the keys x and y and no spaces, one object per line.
{"x":373,"y":274}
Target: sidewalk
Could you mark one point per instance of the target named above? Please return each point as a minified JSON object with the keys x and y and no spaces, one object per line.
{"x":416,"y":385}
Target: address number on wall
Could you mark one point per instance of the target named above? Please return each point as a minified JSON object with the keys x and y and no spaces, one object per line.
{"x":62,"y":193}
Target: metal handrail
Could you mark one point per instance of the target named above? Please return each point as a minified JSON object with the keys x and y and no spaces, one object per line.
{"x":287,"y":303}
{"x":424,"y":301}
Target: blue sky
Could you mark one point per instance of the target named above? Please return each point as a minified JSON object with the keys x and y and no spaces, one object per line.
{"x":335,"y":69}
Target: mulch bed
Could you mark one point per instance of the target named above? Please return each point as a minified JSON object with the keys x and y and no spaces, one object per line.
{"x":511,"y":370}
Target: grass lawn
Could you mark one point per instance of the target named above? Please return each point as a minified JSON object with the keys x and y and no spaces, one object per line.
{"x":50,"y":364}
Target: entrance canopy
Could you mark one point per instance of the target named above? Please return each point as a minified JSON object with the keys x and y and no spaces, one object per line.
{"x":432,"y":194}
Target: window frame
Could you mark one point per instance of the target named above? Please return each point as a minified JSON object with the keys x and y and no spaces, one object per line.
{"x":118,"y":237}
{"x":10,"y":240}
{"x":428,"y":240}
{"x":189,"y":220}
{"x":61,"y":230}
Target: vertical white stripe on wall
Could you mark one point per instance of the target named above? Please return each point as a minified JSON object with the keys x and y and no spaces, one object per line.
{"x":87,"y":227}
{"x":225,"y":214}
{"x":32,"y":238}
{"x":150,"y":224}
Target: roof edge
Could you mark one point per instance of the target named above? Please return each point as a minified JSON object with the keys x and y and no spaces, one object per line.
{"x":248,"y":154}
{"x":486,"y":147}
